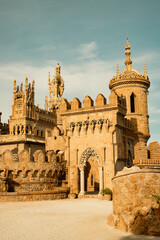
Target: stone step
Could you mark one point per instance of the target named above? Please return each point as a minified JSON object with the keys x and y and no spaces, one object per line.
{"x":89,"y":195}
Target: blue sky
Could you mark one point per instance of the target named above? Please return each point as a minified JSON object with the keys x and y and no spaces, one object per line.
{"x":87,"y":38}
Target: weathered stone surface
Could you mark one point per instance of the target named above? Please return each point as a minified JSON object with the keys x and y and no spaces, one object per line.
{"x":133,"y":203}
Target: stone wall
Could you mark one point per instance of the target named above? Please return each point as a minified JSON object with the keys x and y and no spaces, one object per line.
{"x":133,"y":203}
{"x":23,"y":172}
{"x":34,"y":196}
{"x":148,"y":155}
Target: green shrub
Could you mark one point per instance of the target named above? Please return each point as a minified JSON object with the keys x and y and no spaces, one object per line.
{"x":158,"y":199}
{"x":107,"y":191}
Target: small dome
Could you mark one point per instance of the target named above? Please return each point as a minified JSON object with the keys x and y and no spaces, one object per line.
{"x":127,"y":73}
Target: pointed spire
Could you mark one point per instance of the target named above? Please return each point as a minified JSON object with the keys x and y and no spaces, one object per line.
{"x":145,"y":72}
{"x":26,"y":83}
{"x":33,"y":85}
{"x":128,"y":61}
{"x":46,"y":103}
{"x":21,"y":89}
{"x":58,"y":69}
{"x":48,"y":77}
{"x":14,"y":86}
{"x":117,"y":71}
{"x":14,"y":90}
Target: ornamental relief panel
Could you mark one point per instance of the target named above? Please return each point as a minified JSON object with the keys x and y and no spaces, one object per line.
{"x":89,"y":124}
{"x":86,"y":154}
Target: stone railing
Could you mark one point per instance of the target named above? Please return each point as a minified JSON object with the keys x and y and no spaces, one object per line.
{"x":146,"y":162}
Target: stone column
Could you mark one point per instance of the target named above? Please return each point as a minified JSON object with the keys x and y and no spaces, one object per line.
{"x":82,"y":192}
{"x":100,"y":179}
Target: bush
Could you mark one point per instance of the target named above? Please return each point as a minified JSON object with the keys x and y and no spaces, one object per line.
{"x":107,"y":191}
{"x":158,"y":199}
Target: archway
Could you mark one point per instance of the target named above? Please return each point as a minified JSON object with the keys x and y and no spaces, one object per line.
{"x":91,"y":173}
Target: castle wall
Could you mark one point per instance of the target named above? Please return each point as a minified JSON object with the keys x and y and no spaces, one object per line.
{"x":133,"y":200}
{"x":100,"y":128}
{"x":147,"y":155}
{"x":26,"y":171}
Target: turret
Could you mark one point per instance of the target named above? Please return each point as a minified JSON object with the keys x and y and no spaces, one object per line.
{"x":134,"y":86}
{"x":55,"y":87}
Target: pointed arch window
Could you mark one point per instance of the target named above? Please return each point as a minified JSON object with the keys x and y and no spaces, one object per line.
{"x":132,"y":103}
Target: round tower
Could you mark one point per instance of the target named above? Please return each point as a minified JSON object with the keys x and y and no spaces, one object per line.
{"x":134,"y":86}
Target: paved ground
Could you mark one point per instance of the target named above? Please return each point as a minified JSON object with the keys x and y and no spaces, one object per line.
{"x":79,"y":219}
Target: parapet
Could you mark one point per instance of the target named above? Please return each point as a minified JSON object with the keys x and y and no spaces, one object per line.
{"x":147,"y":156}
{"x":88,"y":103}
{"x":75,"y":104}
{"x":100,"y":100}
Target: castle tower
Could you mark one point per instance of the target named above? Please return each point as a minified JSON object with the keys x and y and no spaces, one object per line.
{"x":23,"y":100}
{"x":134,"y":86}
{"x":56,"y":89}
{"x":27,"y":118}
{"x":23,"y":107}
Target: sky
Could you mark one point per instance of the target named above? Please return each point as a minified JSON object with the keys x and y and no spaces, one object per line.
{"x":87,"y":38}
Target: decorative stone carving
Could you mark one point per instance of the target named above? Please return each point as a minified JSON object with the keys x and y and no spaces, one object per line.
{"x":56,"y":86}
{"x":89,"y":124}
{"x":87,"y":153}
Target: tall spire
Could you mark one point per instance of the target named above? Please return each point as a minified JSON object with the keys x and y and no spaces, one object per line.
{"x":128,"y":61}
{"x":117,"y":71}
{"x":145,"y":71}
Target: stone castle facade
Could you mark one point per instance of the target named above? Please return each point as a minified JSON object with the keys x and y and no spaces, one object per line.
{"x":70,"y":144}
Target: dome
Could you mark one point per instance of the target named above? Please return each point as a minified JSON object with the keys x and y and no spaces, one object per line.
{"x":130,"y":73}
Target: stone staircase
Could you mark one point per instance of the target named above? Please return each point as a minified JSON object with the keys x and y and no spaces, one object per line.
{"x":90,"y":195}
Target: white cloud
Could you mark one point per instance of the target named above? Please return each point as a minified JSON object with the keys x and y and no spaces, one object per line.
{"x":147,"y":57}
{"x":88,"y":50}
{"x":154,"y":110}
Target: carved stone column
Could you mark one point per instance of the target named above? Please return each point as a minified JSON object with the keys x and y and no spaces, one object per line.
{"x":82,"y":192}
{"x":100,"y":178}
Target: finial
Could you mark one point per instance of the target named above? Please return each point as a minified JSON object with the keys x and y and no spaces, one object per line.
{"x":49,"y":77}
{"x":46,"y":103}
{"x":21,"y":87}
{"x":58,"y":69}
{"x":14,"y":86}
{"x":33,"y":83}
{"x":128,"y":61}
{"x":117,"y":71}
{"x":127,"y":39}
{"x":145,"y":71}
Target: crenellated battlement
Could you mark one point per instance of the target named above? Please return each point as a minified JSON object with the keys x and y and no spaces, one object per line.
{"x":147,"y":155}
{"x":89,"y":104}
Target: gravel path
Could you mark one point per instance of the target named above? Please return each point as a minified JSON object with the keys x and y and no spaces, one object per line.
{"x":78,"y":219}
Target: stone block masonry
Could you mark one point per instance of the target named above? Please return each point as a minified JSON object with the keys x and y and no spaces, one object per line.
{"x":133,"y":203}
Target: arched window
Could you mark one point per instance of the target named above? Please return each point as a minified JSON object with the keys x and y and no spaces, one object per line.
{"x":22,"y":129}
{"x":18,"y":130}
{"x":46,"y":158}
{"x":148,"y":154}
{"x":14,"y":130}
{"x":132,"y":102}
{"x":26,"y":129}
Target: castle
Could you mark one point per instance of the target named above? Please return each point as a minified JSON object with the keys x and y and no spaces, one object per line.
{"x":73,"y":145}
